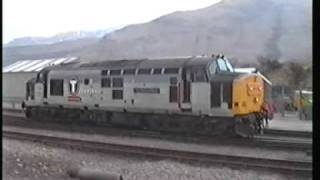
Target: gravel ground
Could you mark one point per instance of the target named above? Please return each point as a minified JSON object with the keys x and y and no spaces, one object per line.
{"x":27,"y":160}
{"x":160,"y":143}
{"x":290,"y":122}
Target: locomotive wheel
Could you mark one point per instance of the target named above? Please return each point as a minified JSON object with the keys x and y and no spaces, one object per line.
{"x":155,"y":124}
{"x":144,"y":124}
{"x":28,"y":113}
{"x":244,"y":127}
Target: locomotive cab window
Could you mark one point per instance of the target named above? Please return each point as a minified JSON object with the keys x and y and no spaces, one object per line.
{"x":56,"y":87}
{"x":222,"y":65}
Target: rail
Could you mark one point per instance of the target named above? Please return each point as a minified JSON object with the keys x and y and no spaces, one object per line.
{"x":278,"y":132}
{"x":266,"y":141}
{"x":302,"y":168}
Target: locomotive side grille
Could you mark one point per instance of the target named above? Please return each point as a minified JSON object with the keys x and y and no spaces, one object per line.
{"x":56,"y":87}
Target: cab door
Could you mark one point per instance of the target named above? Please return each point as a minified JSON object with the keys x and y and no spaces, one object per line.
{"x":129,"y":97}
{"x":30,"y":90}
{"x":186,"y":89}
{"x":38,"y":92}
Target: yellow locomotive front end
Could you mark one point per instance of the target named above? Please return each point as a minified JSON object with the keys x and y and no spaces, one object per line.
{"x":248,"y":94}
{"x":243,"y":92}
{"x":248,"y":103}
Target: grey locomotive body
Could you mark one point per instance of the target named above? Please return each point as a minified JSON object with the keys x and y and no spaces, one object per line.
{"x":187,"y":94}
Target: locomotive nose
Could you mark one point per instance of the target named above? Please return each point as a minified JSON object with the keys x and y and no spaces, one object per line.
{"x":248,"y":94}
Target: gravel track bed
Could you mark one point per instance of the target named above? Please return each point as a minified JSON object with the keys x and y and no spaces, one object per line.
{"x":216,"y":149}
{"x":265,"y":141}
{"x":27,"y":160}
{"x":297,"y":134}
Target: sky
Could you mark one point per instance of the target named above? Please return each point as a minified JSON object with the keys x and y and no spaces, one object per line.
{"x":48,"y":17}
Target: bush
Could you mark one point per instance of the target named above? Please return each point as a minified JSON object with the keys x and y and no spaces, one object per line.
{"x":267,"y":65}
{"x":297,"y":74}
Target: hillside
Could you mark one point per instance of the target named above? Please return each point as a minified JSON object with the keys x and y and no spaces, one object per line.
{"x":243,"y":29}
{"x":65,"y":48}
{"x":60,"y":37}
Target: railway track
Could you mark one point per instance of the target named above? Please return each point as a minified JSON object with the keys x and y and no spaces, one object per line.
{"x":267,"y":141}
{"x":301,"y":168}
{"x":278,"y":132}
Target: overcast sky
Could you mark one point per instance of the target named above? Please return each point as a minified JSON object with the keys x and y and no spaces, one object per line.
{"x":48,"y":17}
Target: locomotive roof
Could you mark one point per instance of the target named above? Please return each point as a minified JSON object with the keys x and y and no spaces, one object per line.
{"x":139,"y":63}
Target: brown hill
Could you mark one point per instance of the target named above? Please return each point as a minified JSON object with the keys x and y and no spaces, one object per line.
{"x":243,"y":29}
{"x":239,"y":28}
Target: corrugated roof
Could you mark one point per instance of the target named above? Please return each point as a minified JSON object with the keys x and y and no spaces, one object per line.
{"x":36,"y":65}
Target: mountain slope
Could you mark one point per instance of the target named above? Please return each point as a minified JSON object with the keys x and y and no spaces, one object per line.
{"x":65,"y":48}
{"x":239,"y":28}
{"x":60,"y":37}
{"x":243,"y":29}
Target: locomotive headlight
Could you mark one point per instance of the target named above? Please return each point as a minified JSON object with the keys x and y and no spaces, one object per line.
{"x":251,"y":88}
{"x":256,"y":99}
{"x":260,"y":88}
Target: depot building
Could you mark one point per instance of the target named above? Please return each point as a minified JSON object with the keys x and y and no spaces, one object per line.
{"x":16,"y":75}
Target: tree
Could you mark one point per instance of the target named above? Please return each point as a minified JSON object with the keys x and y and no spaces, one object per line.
{"x":297,"y":75}
{"x":267,"y":65}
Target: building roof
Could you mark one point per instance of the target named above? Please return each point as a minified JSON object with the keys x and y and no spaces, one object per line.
{"x":36,"y":65}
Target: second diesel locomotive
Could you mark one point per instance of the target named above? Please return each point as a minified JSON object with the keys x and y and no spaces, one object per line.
{"x":191,"y":94}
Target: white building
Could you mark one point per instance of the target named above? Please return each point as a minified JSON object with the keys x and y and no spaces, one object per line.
{"x":15,"y":76}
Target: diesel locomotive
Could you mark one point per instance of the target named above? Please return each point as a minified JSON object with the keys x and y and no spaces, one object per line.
{"x":200,"y":94}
